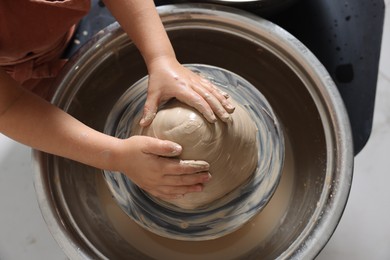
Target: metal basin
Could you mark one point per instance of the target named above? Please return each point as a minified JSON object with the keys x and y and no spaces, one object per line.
{"x":262,"y":7}
{"x":309,"y":201}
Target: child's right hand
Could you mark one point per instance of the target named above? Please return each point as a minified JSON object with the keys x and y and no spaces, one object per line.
{"x":151,"y":164}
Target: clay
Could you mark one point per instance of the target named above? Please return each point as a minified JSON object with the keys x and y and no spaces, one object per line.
{"x":230,"y":148}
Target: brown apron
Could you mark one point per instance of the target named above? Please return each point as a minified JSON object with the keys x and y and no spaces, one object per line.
{"x":34,"y":34}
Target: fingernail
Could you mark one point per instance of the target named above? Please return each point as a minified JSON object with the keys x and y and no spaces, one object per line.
{"x":225,"y":117}
{"x":147,"y":118}
{"x":207,"y":177}
{"x":176,"y":149}
{"x":223,"y":93}
{"x":230,"y":107}
{"x":179,"y":196}
{"x":213,"y":118}
{"x":144,"y":122}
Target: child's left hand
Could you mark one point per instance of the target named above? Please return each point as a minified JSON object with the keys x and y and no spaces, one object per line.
{"x":169,"y":79}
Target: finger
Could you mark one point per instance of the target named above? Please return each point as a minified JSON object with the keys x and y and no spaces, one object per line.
{"x":213,"y":102}
{"x":159,"y":147}
{"x":195,"y":100}
{"x":220,"y":91}
{"x":150,"y":110}
{"x":176,"y":167}
{"x":186,"y":179}
{"x":219,"y":94}
{"x":193,"y":166}
{"x":176,"y":192}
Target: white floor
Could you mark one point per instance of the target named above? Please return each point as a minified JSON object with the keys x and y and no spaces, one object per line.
{"x":363,"y":233}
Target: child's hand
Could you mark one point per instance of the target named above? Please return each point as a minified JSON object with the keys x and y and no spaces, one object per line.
{"x":146,"y":161}
{"x":168,"y":79}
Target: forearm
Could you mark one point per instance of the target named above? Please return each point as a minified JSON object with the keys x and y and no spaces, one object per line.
{"x":140,"y":20}
{"x":33,"y":121}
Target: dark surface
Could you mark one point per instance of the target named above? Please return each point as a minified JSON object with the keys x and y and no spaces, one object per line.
{"x":344,"y":35}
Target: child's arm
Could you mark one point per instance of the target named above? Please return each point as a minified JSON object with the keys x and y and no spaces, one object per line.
{"x":34,"y":122}
{"x":168,"y":78}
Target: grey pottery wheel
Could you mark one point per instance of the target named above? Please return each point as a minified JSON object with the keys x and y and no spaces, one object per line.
{"x":225,"y":214}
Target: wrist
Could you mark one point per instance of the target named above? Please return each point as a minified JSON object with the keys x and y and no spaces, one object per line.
{"x":160,"y":61}
{"x":111,"y":158}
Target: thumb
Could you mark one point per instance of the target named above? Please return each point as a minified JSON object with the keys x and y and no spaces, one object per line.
{"x":163,"y":148}
{"x":150,"y":110}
